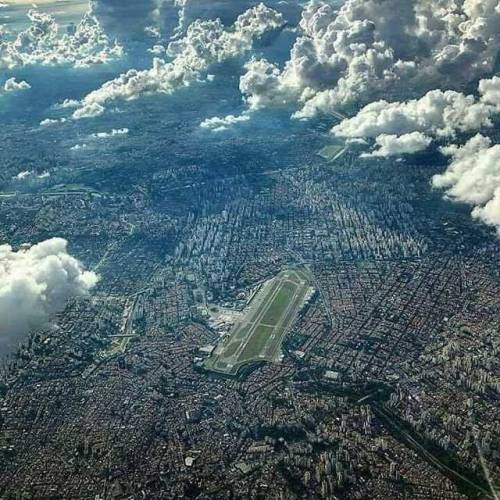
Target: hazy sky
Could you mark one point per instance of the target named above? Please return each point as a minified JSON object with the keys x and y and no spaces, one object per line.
{"x":40,"y":2}
{"x":12,"y":12}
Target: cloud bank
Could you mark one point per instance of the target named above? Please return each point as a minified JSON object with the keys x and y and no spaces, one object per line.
{"x":36,"y":282}
{"x":41,"y":43}
{"x":473,"y":177}
{"x":369,"y":48}
{"x":205,"y":43}
{"x":438,"y":114}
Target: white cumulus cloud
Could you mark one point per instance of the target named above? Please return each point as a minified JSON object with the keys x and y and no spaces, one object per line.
{"x":219,"y":124}
{"x":260,"y":84}
{"x":25,"y":174}
{"x":35,"y":283}
{"x":490,"y":91}
{"x":49,"y":122}
{"x":393,"y":145}
{"x":438,"y":114}
{"x":473,"y":177}
{"x":12,"y":85}
{"x":112,"y":133}
{"x":89,"y":109}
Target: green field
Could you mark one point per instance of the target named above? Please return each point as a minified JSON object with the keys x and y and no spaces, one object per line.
{"x":331,"y":152}
{"x":253,"y":349}
{"x":258,"y":336}
{"x":279,"y":304}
